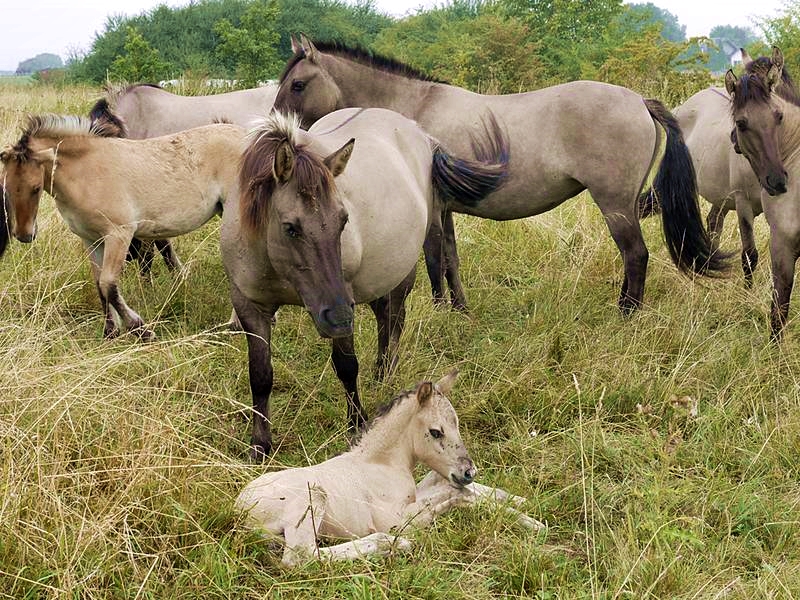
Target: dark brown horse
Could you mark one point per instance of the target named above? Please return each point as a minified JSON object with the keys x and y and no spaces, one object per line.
{"x":767,"y":132}
{"x":5,"y":224}
{"x":583,"y":135}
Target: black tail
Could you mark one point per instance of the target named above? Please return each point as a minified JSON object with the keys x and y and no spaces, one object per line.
{"x":675,"y":186}
{"x":470,"y":181}
{"x":5,"y":225}
{"x":104,"y":122}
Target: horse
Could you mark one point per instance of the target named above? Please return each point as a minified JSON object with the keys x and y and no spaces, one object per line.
{"x":370,"y":491}
{"x":767,"y":128}
{"x":109,"y":190}
{"x":146,"y":110}
{"x":5,"y":223}
{"x":334,"y":216}
{"x":564,"y":139}
{"x":724,"y":177}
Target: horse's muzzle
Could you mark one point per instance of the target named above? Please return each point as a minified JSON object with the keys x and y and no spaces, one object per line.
{"x":26,"y":238}
{"x":336,"y":321}
{"x":775,"y":185}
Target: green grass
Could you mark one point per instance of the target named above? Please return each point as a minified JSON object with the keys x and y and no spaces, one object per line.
{"x":120,"y":461}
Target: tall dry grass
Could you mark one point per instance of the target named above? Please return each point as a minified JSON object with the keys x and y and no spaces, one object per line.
{"x":660,"y":449}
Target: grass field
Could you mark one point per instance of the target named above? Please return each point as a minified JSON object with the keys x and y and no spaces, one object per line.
{"x":661,"y":450}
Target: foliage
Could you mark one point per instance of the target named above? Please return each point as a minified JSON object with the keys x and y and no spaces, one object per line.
{"x":139,"y":61}
{"x":783,"y":31}
{"x":637,"y":17}
{"x":731,"y":37}
{"x":39,"y":63}
{"x":251,"y":47}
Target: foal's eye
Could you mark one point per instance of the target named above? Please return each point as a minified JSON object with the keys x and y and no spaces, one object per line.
{"x":298,"y":85}
{"x":291,"y":231}
{"x":436,"y":433}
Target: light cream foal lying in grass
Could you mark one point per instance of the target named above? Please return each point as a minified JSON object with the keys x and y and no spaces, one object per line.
{"x":369,"y":491}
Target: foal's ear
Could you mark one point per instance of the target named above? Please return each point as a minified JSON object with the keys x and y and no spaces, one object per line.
{"x":776,"y":70}
{"x":424,"y":392}
{"x":308,"y":47}
{"x":6,"y":155}
{"x":746,"y":58}
{"x":283,"y":166}
{"x":296,"y":47}
{"x":445,"y":384}
{"x":730,"y":82}
{"x":337,"y":161}
{"x":46,"y":155}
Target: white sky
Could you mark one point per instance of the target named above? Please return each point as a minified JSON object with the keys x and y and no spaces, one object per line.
{"x":30,"y":27}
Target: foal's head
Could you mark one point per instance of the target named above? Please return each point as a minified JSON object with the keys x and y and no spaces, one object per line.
{"x":437,"y":441}
{"x":758,"y":117}
{"x":289,"y":196}
{"x":23,"y":178}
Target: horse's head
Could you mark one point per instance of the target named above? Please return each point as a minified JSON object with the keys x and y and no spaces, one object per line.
{"x":758,"y":118}
{"x":437,"y":441}
{"x":306,"y":87}
{"x":289,"y":195}
{"x":23,"y":178}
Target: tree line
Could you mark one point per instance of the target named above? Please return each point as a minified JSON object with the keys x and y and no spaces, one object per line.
{"x":491,"y":46}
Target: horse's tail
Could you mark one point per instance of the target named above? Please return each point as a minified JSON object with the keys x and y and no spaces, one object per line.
{"x":5,"y":225}
{"x":470,"y":181}
{"x":104,"y":122}
{"x":675,"y":187}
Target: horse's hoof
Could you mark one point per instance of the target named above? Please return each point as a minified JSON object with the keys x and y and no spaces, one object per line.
{"x":110,"y":334}
{"x":259,"y":452}
{"x":402,"y":544}
{"x":144,"y":334}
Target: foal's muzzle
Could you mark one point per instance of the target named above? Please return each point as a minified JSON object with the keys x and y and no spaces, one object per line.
{"x":465,"y":473}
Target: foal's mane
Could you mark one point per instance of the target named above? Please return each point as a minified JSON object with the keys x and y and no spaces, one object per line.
{"x":257,"y":180}
{"x":55,"y":126}
{"x":380,"y":412}
{"x":364,"y":57}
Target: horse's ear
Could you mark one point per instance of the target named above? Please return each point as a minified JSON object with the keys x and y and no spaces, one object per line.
{"x":424,"y":392}
{"x":746,"y":58}
{"x":46,"y":155}
{"x":776,"y":70}
{"x":337,"y":161}
{"x":6,"y":155}
{"x":283,"y":166}
{"x":730,"y":82}
{"x":308,"y":48}
{"x":445,"y":384}
{"x":296,"y":47}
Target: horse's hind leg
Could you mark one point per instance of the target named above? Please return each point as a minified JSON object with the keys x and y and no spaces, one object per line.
{"x":345,"y":365}
{"x":433,"y":250}
{"x":452,"y":263}
{"x":390,"y":314}
{"x":169,"y":255}
{"x":627,"y":234}
{"x":142,"y":252}
{"x":716,"y":222}
{"x":744,"y":212}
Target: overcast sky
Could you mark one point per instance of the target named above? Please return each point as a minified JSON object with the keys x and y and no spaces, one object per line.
{"x":31,"y":27}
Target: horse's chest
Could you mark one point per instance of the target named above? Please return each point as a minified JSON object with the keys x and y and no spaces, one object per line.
{"x":79,"y":226}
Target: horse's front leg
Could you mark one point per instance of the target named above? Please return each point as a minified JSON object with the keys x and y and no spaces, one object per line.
{"x":115,"y":249}
{"x":95,"y":252}
{"x":784,"y":252}
{"x":256,"y":322}
{"x":345,"y":365}
{"x":390,"y":314}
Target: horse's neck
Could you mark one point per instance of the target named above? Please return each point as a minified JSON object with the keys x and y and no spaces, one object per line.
{"x":790,"y":140}
{"x":388,"y":440}
{"x":65,"y":151}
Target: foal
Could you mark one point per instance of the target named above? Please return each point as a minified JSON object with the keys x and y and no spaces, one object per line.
{"x":369,"y":491}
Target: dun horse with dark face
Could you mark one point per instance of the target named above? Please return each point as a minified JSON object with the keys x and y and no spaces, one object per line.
{"x":332,"y":217}
{"x":109,"y":190}
{"x":767,"y":128}
{"x":564,"y":139}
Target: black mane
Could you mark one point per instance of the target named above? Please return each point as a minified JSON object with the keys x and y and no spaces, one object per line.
{"x":787,"y":90}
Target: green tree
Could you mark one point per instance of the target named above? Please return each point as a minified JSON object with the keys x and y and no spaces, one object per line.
{"x":637,"y":17}
{"x":726,"y":37}
{"x":139,"y":62}
{"x":39,"y":63}
{"x":252,"y":46}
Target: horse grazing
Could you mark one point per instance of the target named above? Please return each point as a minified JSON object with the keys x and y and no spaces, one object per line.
{"x":331,"y":217}
{"x":564,"y":139}
{"x":146,"y":110}
{"x":109,"y":190}
{"x":367,"y":492}
{"x":724,"y":177}
{"x":767,"y":128}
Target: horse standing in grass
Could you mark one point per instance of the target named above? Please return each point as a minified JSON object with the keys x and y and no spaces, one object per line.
{"x":109,"y":190}
{"x":564,"y":139}
{"x":369,"y":491}
{"x":332,"y":217}
{"x":767,"y":128}
{"x":724,"y":177}
{"x":5,"y":223}
{"x":146,"y":110}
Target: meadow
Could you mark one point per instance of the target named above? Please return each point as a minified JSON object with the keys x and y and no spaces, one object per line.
{"x":660,"y":449}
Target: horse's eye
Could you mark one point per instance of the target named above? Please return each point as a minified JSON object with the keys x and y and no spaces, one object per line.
{"x":298,"y":85}
{"x":741,"y":125}
{"x":779,"y":117}
{"x":436,"y":433}
{"x":37,"y":189}
{"x":290,"y":230}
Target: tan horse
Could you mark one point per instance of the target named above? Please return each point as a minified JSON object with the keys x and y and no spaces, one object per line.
{"x":145,"y":110}
{"x":768,"y":134}
{"x":724,"y":177}
{"x":332,"y":217}
{"x":583,"y":135}
{"x":370,"y":491}
{"x":109,"y":190}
